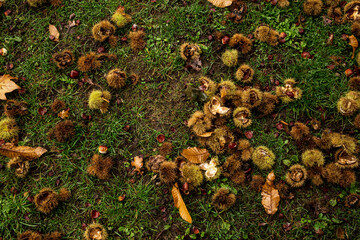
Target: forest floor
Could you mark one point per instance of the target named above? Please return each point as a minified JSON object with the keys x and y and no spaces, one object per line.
{"x":158,"y":105}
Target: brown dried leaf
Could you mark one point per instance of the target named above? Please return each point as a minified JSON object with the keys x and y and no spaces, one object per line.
{"x":270,"y":196}
{"x":221,"y":3}
{"x":54,"y":32}
{"x":64,"y":113}
{"x":206,"y":134}
{"x":27,"y":153}
{"x":138,"y":164}
{"x":180,"y":204}
{"x":195,"y":155}
{"x":6,"y":85}
{"x":354,"y":43}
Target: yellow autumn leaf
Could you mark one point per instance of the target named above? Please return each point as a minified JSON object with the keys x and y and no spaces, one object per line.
{"x":270,"y":195}
{"x":54,"y":32}
{"x":354,"y":43}
{"x":138,"y":164}
{"x":195,"y":155}
{"x":221,"y":3}
{"x":27,"y":153}
{"x":180,"y":204}
{"x":6,"y":85}
{"x":64,"y":113}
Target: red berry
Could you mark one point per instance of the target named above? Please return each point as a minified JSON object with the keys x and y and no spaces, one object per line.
{"x":348,"y":72}
{"x":160,"y":138}
{"x":232,"y":145}
{"x":134,"y":27}
{"x":290,"y":94}
{"x":101,"y":50}
{"x":305,"y":55}
{"x":225,"y":40}
{"x":283,"y":35}
{"x":74,"y":74}
{"x":7,"y":12}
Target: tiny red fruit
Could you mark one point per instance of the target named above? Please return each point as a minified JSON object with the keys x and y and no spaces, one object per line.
{"x":103,"y":149}
{"x":282,"y":40}
{"x":249,"y":134}
{"x":134,"y":27}
{"x":7,"y":12}
{"x":160,"y":138}
{"x":348,"y":72}
{"x":74,"y":74}
{"x":232,"y":145}
{"x":225,"y":40}
{"x":42,"y":110}
{"x":290,"y":94}
{"x":305,"y":55}
{"x":101,"y":49}
{"x":283,"y":35}
{"x":95,"y":214}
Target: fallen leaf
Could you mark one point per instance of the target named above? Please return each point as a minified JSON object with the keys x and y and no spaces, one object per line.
{"x":270,"y":196}
{"x":195,"y":155}
{"x":287,"y":226}
{"x":326,"y":20}
{"x":180,"y":204}
{"x":121,"y":198}
{"x":138,"y":164}
{"x":340,"y":233}
{"x":195,"y":64}
{"x":42,"y":110}
{"x":64,"y":113}
{"x":27,"y":153}
{"x":221,"y":3}
{"x":206,"y":134}
{"x":6,"y":85}
{"x":54,"y":32}
{"x":354,"y":43}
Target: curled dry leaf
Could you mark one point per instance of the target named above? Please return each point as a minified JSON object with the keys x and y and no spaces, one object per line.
{"x":54,"y":32}
{"x":221,"y":3}
{"x":354,"y":43}
{"x":64,"y":113}
{"x":26,"y":153}
{"x":270,"y":196}
{"x":195,"y":155}
{"x":138,"y":164}
{"x":6,"y":85}
{"x":206,"y":134}
{"x":180,"y":204}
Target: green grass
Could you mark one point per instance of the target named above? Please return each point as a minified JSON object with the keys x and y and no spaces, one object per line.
{"x":157,"y":105}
